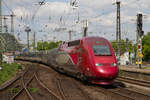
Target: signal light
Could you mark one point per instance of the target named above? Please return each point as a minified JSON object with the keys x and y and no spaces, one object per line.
{"x":140,"y":25}
{"x":139,"y":46}
{"x":141,"y":33}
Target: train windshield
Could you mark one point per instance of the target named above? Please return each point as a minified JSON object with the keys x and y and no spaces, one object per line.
{"x":101,"y":50}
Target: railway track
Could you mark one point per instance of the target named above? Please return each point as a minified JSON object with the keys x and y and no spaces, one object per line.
{"x":111,"y":95}
{"x":25,"y":80}
{"x":129,"y":93}
{"x":51,"y":95}
{"x":73,"y":92}
{"x":132,"y":95}
{"x":134,"y":81}
{"x":14,"y":88}
{"x":67,"y":89}
{"x":24,"y":84}
{"x":117,"y":93}
{"x":114,"y":94}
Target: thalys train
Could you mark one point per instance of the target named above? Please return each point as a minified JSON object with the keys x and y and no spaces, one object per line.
{"x":90,"y":58}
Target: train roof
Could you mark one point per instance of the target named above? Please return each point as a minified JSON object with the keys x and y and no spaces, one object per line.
{"x":93,"y":38}
{"x":85,"y":40}
{"x":89,"y":38}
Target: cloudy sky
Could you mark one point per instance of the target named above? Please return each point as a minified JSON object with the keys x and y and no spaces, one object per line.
{"x":55,"y":18}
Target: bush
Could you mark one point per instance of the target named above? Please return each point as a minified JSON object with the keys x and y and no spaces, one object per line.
{"x":146,"y":46}
{"x":47,"y":45}
{"x":8,"y":71}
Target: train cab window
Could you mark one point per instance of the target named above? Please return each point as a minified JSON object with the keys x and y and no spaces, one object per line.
{"x":99,"y":42}
{"x":101,"y":50}
{"x":74,"y":43}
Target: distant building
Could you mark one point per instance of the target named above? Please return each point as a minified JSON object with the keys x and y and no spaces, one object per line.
{"x":8,"y":58}
{"x":124,"y":58}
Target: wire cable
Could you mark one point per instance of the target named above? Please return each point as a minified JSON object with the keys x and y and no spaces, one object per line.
{"x":40,"y":4}
{"x":7,"y":6}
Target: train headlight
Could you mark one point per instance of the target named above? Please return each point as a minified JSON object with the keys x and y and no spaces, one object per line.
{"x":98,"y":64}
{"x":114,"y":64}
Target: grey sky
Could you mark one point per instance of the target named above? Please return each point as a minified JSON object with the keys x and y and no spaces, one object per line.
{"x":55,"y":14}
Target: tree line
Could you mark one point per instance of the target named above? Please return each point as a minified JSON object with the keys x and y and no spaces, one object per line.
{"x":128,"y":46}
{"x":125,"y":46}
{"x":47,"y":45}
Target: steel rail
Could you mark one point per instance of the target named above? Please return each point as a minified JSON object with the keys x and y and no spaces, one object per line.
{"x":61,"y":90}
{"x":42,"y":85}
{"x":114,"y":93}
{"x":17,"y":94}
{"x":129,"y":91}
{"x":14,"y":80}
{"x":25,"y":87}
{"x":134,"y":81}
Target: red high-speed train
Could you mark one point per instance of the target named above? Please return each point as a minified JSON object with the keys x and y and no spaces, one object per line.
{"x":91,"y":57}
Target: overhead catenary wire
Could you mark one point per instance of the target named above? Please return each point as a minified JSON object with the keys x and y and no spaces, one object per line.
{"x":72,"y":13}
{"x":7,"y":6}
{"x":90,"y":18}
{"x":10,"y":9}
{"x":40,"y":4}
{"x":101,"y":15}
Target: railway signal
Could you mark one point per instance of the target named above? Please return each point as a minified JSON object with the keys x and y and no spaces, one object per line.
{"x":140,"y":33}
{"x":140,"y":25}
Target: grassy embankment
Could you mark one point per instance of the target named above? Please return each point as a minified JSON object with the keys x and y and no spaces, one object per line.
{"x":146,"y":68}
{"x":8,"y":70}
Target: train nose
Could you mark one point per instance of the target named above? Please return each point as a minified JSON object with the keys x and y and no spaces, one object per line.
{"x":108,"y":72}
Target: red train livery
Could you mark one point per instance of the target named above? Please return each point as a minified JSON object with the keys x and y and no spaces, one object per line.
{"x":92,"y":57}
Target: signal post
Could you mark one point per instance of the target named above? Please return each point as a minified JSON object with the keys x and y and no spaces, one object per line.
{"x":140,"y":33}
{"x":85,"y":28}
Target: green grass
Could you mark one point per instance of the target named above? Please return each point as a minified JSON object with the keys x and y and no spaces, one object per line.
{"x":33,"y":90}
{"x":8,"y":71}
{"x":13,"y":90}
{"x":120,"y":72}
{"x":146,"y":68}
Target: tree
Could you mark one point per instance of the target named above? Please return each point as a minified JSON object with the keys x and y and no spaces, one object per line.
{"x":146,"y":47}
{"x":124,"y":46}
{"x":114,"y":45}
{"x":39,"y":46}
{"x":47,"y":45}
